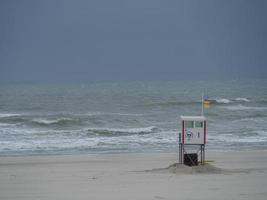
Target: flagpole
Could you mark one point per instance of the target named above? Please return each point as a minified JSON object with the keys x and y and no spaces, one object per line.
{"x":202,"y":106}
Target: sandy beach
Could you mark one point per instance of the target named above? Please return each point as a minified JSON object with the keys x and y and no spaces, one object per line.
{"x":232,"y":175}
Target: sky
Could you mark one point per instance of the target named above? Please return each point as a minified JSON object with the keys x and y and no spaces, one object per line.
{"x":96,"y":40}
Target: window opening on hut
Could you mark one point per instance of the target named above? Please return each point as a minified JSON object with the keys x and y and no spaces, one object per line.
{"x":198,"y":124}
{"x":189,"y":124}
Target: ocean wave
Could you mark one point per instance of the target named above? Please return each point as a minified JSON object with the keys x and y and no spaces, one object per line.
{"x":129,"y":143}
{"x":31,"y":120}
{"x":170,"y":103}
{"x":256,"y":119}
{"x":221,"y":100}
{"x":228,"y":101}
{"x":111,"y":113}
{"x":253,"y":138}
{"x":242,"y":107}
{"x":217,"y":100}
{"x":14,"y":119}
{"x":59,"y":121}
{"x":6,"y":125}
{"x":121,"y":132}
{"x":242,"y":99}
{"x":263,"y":101}
{"x":7,"y":115}
{"x":62,"y":120}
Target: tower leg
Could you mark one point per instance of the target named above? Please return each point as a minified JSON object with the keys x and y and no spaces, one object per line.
{"x":203,"y":154}
{"x":180,"y":153}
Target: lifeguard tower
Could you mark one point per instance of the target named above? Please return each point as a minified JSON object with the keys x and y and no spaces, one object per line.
{"x":193,"y":134}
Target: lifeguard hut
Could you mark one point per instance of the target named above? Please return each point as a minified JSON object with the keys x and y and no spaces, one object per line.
{"x":193,"y":134}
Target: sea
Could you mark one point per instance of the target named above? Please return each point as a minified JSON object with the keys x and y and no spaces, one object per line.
{"x":129,"y":116}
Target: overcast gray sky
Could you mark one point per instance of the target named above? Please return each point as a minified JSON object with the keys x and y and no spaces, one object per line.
{"x":85,"y":40}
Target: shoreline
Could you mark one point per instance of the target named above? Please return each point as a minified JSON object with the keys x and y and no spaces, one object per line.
{"x":209,"y":151}
{"x":240,"y":175}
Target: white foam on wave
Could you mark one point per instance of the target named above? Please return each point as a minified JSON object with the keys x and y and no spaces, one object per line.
{"x":133,"y":141}
{"x":226,"y":101}
{"x":244,"y":140}
{"x":232,"y":138}
{"x":222,"y":100}
{"x":125,"y":114}
{"x":7,"y":125}
{"x":128,"y":142}
{"x":252,"y":119}
{"x":35,"y":140}
{"x":111,"y":113}
{"x":126,"y":130}
{"x":50,"y":121}
{"x":48,"y":144}
{"x":3,"y":115}
{"x":242,"y":99}
{"x":241,"y":107}
{"x":44,"y":121}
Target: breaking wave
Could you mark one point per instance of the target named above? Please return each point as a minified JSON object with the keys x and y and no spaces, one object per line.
{"x":112,"y":114}
{"x":242,"y":107}
{"x":222,"y":100}
{"x":31,"y":120}
{"x":251,"y":137}
{"x":60,"y":121}
{"x":169,"y":103}
{"x":121,"y":132}
{"x":227,"y":101}
{"x":6,"y":115}
{"x":217,"y":100}
{"x":242,"y":99}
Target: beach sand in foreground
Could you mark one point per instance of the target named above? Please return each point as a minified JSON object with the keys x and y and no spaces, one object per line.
{"x":231,"y":175}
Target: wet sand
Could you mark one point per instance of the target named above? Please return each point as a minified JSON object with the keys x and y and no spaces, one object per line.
{"x":232,"y":175}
